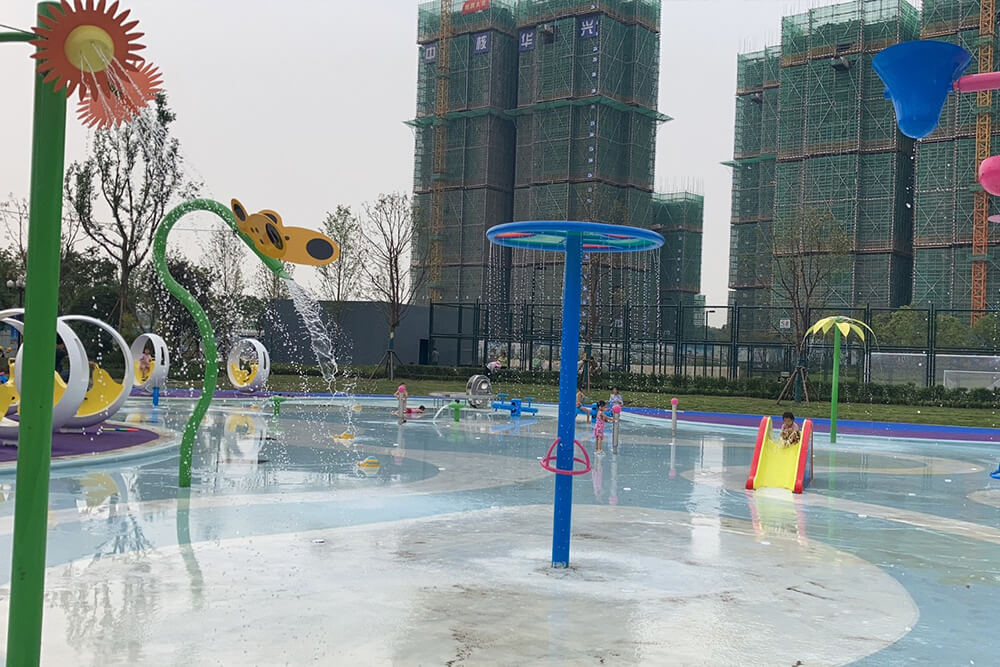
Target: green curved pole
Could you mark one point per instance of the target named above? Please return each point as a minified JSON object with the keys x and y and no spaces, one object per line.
{"x":198,"y":313}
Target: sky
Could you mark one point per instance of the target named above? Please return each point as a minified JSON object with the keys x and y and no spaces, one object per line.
{"x":299,"y":107}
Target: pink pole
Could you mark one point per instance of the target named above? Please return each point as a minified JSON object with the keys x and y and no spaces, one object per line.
{"x":973,"y":83}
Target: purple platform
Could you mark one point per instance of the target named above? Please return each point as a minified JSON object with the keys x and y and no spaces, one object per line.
{"x":92,"y":441}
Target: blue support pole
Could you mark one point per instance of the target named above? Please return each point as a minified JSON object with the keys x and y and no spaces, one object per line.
{"x":568,"y":358}
{"x":156,"y":396}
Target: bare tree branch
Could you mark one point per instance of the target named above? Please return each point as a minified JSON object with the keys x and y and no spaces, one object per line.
{"x":388,"y":255}
{"x":136,"y":170}
{"x":806,"y":249}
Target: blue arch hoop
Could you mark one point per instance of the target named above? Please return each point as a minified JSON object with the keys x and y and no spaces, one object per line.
{"x":573,"y":239}
{"x":552,"y":235}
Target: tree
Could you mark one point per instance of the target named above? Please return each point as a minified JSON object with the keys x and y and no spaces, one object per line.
{"x":951,"y":332}
{"x":269,"y":288}
{"x":807,"y":252}
{"x":343,"y":280}
{"x":87,"y":284}
{"x":388,"y":253}
{"x":904,"y":327}
{"x":224,"y":258}
{"x":986,"y":333}
{"x":14,"y":215}
{"x":136,"y":170}
{"x":162,"y":313}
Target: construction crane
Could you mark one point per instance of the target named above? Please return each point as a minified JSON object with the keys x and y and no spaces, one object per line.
{"x":980,"y":211}
{"x":442,"y":96}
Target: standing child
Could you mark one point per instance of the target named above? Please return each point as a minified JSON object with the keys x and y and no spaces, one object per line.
{"x":789,"y":430}
{"x":615,"y":398}
{"x":401,"y":396}
{"x":599,"y":428}
{"x":580,"y":398}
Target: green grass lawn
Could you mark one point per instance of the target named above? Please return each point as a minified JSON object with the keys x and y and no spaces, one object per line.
{"x":547,"y":393}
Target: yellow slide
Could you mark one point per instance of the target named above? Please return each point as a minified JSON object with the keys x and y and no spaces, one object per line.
{"x":776,"y":466}
{"x":142,"y":378}
{"x":101,"y":394}
{"x":243,"y":377}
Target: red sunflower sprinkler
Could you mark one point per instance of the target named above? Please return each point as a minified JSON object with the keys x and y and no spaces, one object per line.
{"x":90,"y":48}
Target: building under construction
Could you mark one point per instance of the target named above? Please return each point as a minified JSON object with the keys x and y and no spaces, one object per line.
{"x":541,"y":109}
{"x":814,"y":131}
{"x":955,"y":253}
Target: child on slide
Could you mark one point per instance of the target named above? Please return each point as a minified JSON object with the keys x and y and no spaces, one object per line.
{"x":789,"y":430}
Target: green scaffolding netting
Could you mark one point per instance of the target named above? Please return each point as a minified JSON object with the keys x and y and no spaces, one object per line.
{"x":500,"y":14}
{"x":563,"y":128}
{"x":643,"y":12}
{"x":585,"y":142}
{"x":621,"y":63}
{"x":938,"y":16}
{"x":943,"y":277}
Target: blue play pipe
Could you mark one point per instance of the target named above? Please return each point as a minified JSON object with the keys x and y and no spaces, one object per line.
{"x":568,"y":357}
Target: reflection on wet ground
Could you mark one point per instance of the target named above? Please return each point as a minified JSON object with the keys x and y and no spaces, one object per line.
{"x":924,"y":514}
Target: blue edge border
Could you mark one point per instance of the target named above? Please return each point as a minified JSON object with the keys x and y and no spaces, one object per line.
{"x":844,"y":426}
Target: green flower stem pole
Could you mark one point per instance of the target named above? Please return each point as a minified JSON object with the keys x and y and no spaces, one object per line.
{"x":16,"y":37}
{"x":835,"y":389}
{"x":200,"y":318}
{"x":34,"y":442}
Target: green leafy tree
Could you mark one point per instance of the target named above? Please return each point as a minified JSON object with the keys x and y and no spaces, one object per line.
{"x":87,"y":285}
{"x":160,"y":312}
{"x":134,"y":174}
{"x":986,"y":333}
{"x":269,"y":289}
{"x":951,"y":332}
{"x":904,"y":327}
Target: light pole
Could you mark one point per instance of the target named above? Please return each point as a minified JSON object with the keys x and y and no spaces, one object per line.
{"x":17,"y":283}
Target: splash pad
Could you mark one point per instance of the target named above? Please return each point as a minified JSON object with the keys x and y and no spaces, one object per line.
{"x":573,"y":239}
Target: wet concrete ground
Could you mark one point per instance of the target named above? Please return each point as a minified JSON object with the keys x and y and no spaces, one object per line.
{"x":440,"y":555}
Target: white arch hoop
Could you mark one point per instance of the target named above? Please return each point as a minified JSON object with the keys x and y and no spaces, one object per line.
{"x":160,"y":363}
{"x":75,"y":388}
{"x":257,"y":376}
{"x":102,"y":408}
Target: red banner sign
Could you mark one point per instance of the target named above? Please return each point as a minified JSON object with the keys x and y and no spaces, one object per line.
{"x":473,"y":6}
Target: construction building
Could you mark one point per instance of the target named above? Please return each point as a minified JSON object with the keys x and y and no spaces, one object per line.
{"x":814,"y":131}
{"x":955,"y":252}
{"x":541,"y":110}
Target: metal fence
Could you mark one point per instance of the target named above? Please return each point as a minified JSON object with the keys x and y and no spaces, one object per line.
{"x":955,"y":348}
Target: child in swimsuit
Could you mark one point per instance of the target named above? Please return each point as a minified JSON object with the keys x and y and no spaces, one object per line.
{"x":789,"y":430}
{"x":599,"y":428}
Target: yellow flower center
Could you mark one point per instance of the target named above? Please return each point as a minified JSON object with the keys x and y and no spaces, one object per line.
{"x":89,"y":48}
